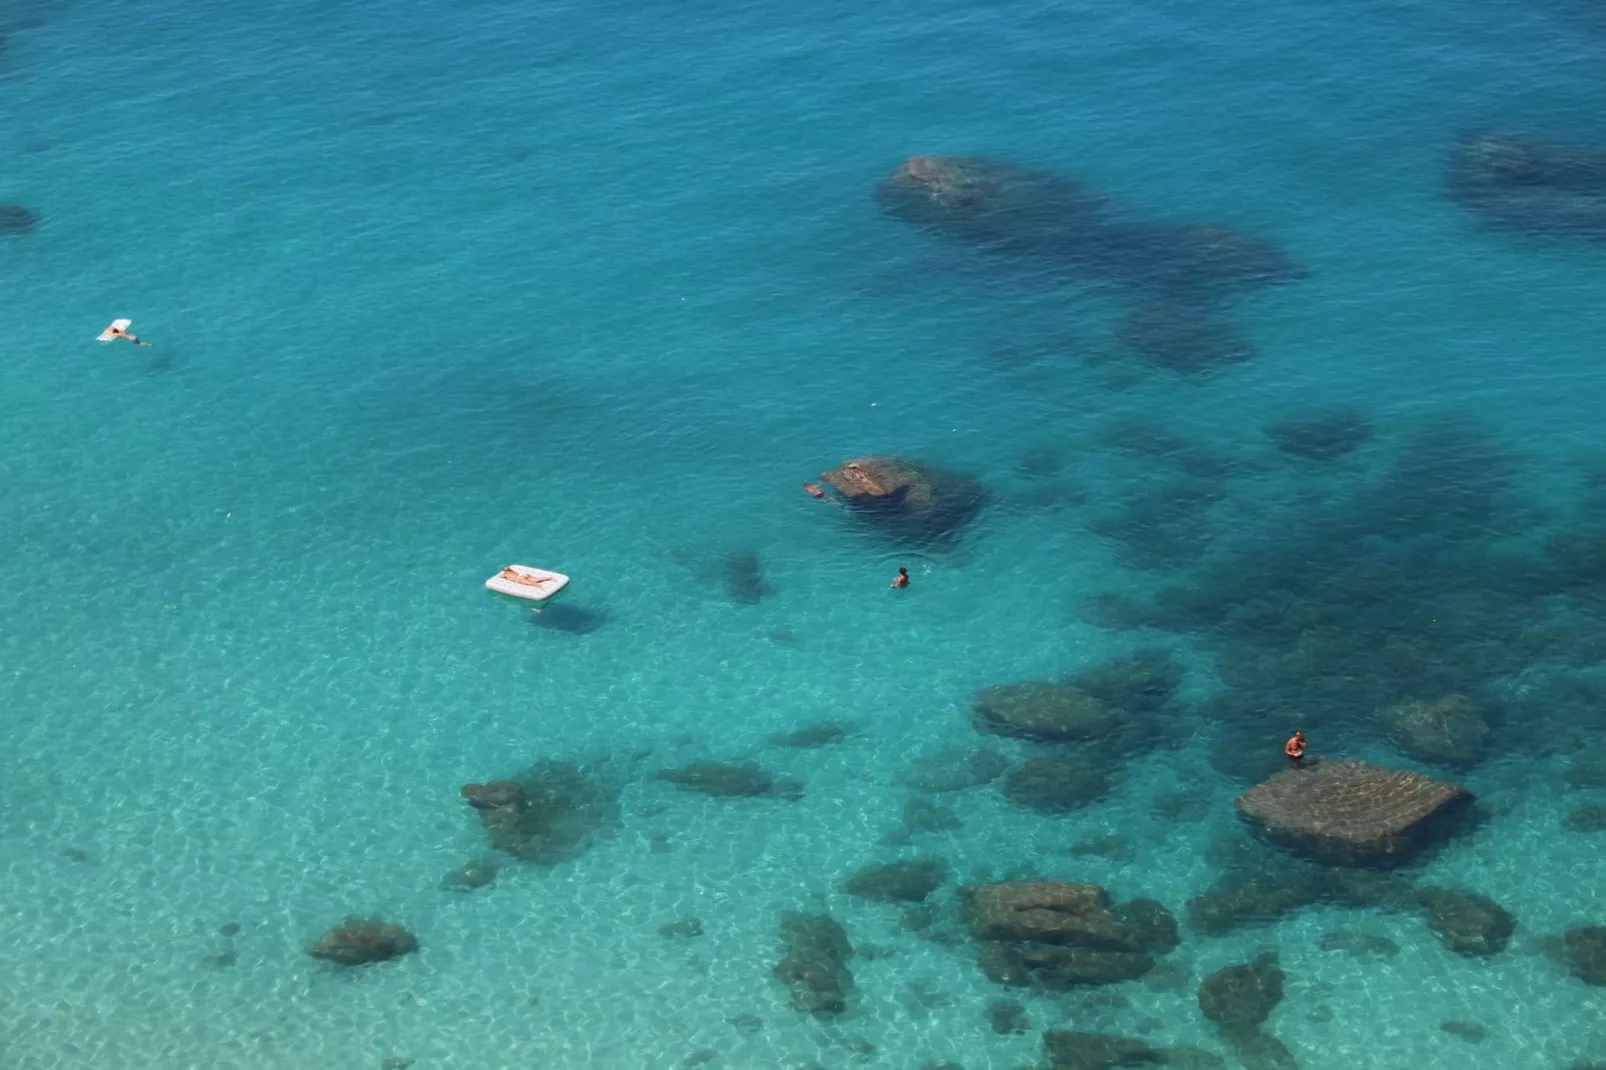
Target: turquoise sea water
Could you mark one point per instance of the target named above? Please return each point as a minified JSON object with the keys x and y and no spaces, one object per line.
{"x":595,"y":287}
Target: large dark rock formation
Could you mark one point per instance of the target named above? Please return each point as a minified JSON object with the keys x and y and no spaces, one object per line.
{"x":1536,"y":186}
{"x":1058,"y":934}
{"x":1470,"y":924}
{"x":898,"y":882}
{"x":907,"y":499}
{"x":1351,"y":813}
{"x":816,"y":964}
{"x":358,"y":941}
{"x":548,"y":815}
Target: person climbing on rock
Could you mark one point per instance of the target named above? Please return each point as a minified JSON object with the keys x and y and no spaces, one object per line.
{"x":1295,"y":748}
{"x":902,"y":581}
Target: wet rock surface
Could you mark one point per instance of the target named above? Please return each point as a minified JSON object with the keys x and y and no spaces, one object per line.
{"x":359,"y":941}
{"x":953,"y":769}
{"x":907,"y":499}
{"x":1353,"y":813}
{"x":898,"y":882}
{"x":815,"y":968}
{"x":1468,"y":923}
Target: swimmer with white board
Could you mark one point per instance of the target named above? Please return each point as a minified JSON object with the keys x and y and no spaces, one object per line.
{"x":119,"y":329}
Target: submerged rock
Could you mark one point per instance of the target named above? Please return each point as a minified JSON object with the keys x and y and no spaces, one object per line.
{"x":1583,"y":951}
{"x":1586,"y":819}
{"x":824,"y":734}
{"x":1047,"y":912}
{"x":1041,"y":711}
{"x":1359,"y":945}
{"x":358,"y":941}
{"x":547,"y":816}
{"x":1538,"y":186}
{"x":953,"y":769}
{"x":471,"y":875}
{"x":566,"y":617}
{"x":743,"y":577}
{"x":1471,"y":1032}
{"x":1242,"y":995}
{"x":898,"y":882}
{"x":1007,"y":1016}
{"x":1068,"y":1050}
{"x":1322,"y":435}
{"x":1449,"y":731}
{"x":907,"y":499}
{"x":15,"y":219}
{"x":815,"y":967}
{"x":727,"y":779}
{"x":1241,"y":899}
{"x":1154,"y":925}
{"x":1257,"y":1050}
{"x":1469,"y":924}
{"x":1352,"y":813}
{"x":1056,"y":784}
{"x":923,"y":815}
{"x":1182,"y":336}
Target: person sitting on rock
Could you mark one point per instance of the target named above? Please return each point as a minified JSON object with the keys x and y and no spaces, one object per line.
{"x":525,"y":578}
{"x":1295,"y":748}
{"x":902,"y":581}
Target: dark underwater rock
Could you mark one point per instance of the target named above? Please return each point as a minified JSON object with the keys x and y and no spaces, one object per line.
{"x":1257,"y":1050}
{"x":1041,"y":711}
{"x":1583,"y":950}
{"x":953,"y":769}
{"x":923,"y":815}
{"x":1007,"y":1016}
{"x":824,"y":734}
{"x":907,"y":499}
{"x":1469,"y":924}
{"x":1154,"y":925}
{"x":1057,"y":784}
{"x":1471,"y":1032}
{"x":1047,"y":912}
{"x":1351,"y":813}
{"x":898,"y":882}
{"x":547,"y":816}
{"x":815,"y":967}
{"x":1242,"y":995}
{"x":1263,"y":895}
{"x":1538,"y":186}
{"x":731,"y":779}
{"x":15,"y":220}
{"x":1182,"y":336}
{"x":1359,"y":945}
{"x":1586,"y":819}
{"x":1142,"y":683}
{"x":1450,"y":731}
{"x":471,"y":875}
{"x":684,"y":929}
{"x":1323,"y":435}
{"x":358,"y":941}
{"x":743,"y":577}
{"x":1068,"y":1050}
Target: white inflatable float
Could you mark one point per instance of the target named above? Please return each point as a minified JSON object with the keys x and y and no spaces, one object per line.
{"x":533,"y":584}
{"x":115,"y":330}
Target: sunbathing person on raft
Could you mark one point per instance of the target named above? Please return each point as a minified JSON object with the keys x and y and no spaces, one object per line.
{"x":519,"y":577}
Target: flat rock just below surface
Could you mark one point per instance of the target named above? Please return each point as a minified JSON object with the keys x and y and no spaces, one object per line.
{"x":1352,"y":813}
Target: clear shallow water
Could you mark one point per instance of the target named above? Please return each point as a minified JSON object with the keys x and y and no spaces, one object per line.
{"x":596,"y":287}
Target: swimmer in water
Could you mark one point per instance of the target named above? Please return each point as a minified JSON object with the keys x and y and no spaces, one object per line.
{"x":814,"y":489}
{"x":1295,"y":749}
{"x":902,"y":581}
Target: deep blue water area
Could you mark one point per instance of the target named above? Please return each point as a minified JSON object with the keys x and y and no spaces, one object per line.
{"x":596,"y":287}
